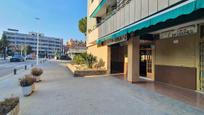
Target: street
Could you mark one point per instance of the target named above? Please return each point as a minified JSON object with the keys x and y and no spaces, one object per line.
{"x":8,"y":67}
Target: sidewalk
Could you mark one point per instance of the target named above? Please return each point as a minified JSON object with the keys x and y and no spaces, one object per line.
{"x":2,"y":61}
{"x":61,"y":94}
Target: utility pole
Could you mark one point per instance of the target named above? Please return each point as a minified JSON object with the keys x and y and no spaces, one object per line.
{"x":21,"y":50}
{"x":37,"y":55}
{"x":37,"y":51}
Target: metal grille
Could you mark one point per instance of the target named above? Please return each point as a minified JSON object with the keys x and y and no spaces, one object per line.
{"x":149,"y":61}
{"x":202,"y":65}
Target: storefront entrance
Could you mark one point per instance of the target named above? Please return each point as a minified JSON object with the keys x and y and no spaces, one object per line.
{"x":202,"y":59}
{"x":202,"y":65}
{"x":118,"y":54}
{"x":146,"y":61}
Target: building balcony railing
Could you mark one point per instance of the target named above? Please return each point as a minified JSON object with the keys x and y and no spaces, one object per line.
{"x":93,"y":5}
{"x":128,"y":12}
{"x":112,"y":11}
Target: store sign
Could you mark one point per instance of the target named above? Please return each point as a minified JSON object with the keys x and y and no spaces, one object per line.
{"x":117,"y":40}
{"x":184,"y":31}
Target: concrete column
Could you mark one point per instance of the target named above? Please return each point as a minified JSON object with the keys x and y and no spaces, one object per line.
{"x":133,"y":59}
{"x":197,"y":56}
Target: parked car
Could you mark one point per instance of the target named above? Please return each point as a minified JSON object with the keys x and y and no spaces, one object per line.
{"x":65,"y":57}
{"x":17,"y":58}
{"x":29,"y":57}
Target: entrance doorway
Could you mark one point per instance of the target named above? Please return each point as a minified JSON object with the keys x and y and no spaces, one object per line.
{"x":118,"y":54}
{"x":202,"y":65}
{"x":202,"y":59}
{"x":146,"y":61}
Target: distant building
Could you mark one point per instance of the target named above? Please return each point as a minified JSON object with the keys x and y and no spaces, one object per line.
{"x":76,"y":44}
{"x":75,"y":47}
{"x":48,"y":46}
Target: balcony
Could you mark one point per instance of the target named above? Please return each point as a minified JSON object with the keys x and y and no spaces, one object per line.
{"x":128,"y":12}
{"x":93,"y":6}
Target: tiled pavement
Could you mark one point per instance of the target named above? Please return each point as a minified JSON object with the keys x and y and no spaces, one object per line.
{"x":191,"y":97}
{"x":61,"y":94}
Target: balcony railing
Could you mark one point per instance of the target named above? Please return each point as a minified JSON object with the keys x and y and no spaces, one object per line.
{"x":120,"y":4}
{"x":125,"y":14}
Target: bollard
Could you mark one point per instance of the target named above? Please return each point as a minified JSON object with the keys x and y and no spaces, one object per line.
{"x":31,"y":65}
{"x":25,"y":67}
{"x":15,"y":71}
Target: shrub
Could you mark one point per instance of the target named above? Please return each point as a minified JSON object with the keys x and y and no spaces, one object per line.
{"x":85,"y":58}
{"x":78,"y":59}
{"x":27,"y":81}
{"x":90,"y":60}
{"x":99,"y":64}
{"x":36,"y":71}
{"x":8,"y":104}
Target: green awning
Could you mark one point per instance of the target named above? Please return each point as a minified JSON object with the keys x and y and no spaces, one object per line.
{"x":182,"y":9}
{"x":98,"y":8}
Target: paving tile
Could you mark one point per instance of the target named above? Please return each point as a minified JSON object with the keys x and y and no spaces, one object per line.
{"x":61,"y":94}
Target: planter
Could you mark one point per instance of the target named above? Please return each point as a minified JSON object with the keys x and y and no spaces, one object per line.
{"x":28,"y":90}
{"x":83,"y":73}
{"x":15,"y":111}
{"x":9,"y":106}
{"x":37,"y":78}
{"x":33,"y":87}
{"x":36,"y":73}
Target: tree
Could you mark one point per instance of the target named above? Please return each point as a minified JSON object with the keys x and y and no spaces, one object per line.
{"x":83,"y":25}
{"x":4,"y":45}
{"x":28,"y":50}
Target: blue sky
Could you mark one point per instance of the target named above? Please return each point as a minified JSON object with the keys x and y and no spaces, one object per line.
{"x":58,"y":18}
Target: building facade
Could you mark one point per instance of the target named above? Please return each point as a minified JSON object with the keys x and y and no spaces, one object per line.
{"x":76,"y":47}
{"x":161,"y":40}
{"x":48,"y":46}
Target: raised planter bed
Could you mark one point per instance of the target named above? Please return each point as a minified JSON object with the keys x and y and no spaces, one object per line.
{"x":10,"y":106}
{"x":89,"y":72}
{"x":15,"y":111}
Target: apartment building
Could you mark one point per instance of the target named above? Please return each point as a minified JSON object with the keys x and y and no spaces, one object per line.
{"x":48,"y":46}
{"x":76,"y":47}
{"x":161,"y":40}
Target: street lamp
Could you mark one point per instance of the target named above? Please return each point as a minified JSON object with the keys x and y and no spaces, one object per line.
{"x":37,"y":55}
{"x":37,"y":52}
